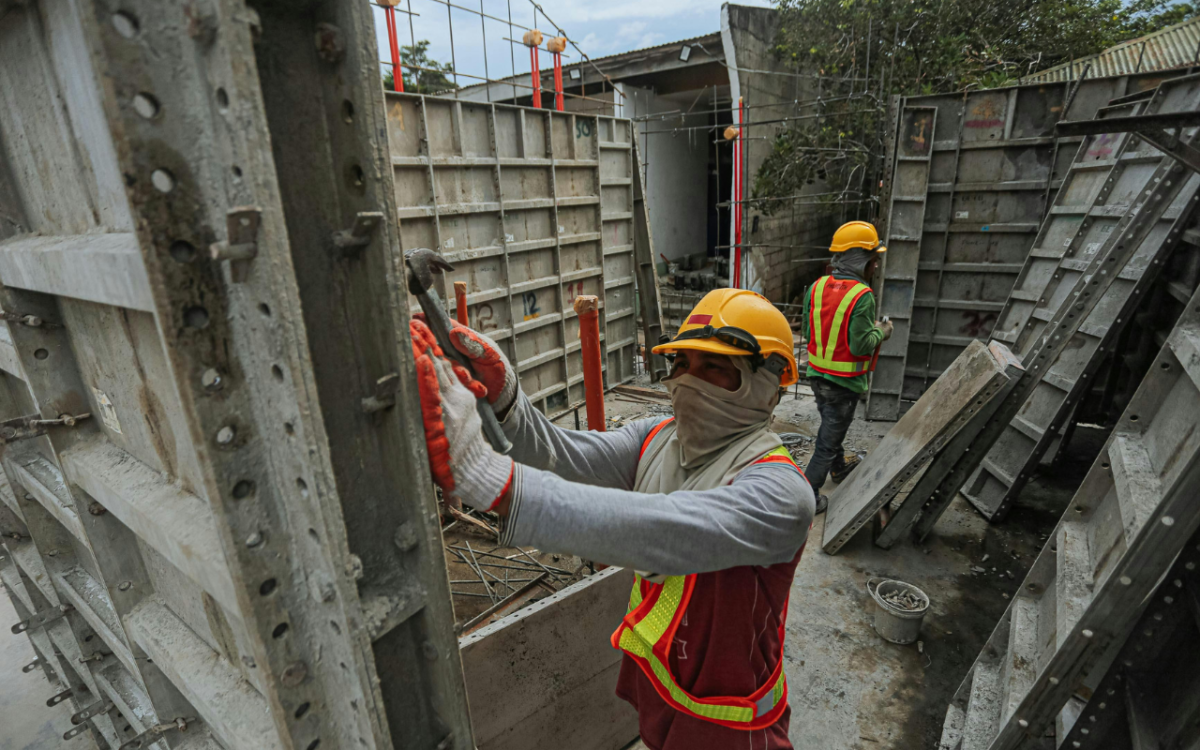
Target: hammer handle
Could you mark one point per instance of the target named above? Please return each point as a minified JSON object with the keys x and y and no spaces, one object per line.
{"x":439,"y":323}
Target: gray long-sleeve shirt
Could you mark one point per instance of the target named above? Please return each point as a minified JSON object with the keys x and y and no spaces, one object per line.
{"x":573,"y":493}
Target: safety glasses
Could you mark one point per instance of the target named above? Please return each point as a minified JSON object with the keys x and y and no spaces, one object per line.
{"x":735,"y":337}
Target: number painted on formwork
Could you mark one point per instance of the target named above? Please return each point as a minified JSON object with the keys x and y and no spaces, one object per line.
{"x":530,"y":304}
{"x":583,"y":128}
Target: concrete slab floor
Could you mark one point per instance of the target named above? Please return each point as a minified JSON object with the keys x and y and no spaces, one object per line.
{"x":850,"y":689}
{"x":26,"y":722}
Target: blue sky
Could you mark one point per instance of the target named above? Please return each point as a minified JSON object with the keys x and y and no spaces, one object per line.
{"x":599,"y":28}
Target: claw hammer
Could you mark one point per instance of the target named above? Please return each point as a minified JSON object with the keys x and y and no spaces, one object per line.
{"x":422,"y":264}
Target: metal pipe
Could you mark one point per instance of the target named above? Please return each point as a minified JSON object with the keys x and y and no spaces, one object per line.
{"x":587,"y":307}
{"x":558,"y":82}
{"x":389,"y":15}
{"x":535,"y":77}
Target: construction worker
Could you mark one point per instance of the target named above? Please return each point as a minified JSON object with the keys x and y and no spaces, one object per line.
{"x":707,"y":506}
{"x":842,"y":339}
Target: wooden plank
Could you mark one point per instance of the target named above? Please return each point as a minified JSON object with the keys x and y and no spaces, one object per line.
{"x":950,"y":403}
{"x":544,"y":676}
{"x":105,"y":268}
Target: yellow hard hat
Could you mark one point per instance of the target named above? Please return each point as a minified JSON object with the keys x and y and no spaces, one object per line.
{"x":737,"y":323}
{"x":856,"y":234}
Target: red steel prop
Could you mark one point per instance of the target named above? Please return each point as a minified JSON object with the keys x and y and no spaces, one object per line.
{"x":556,"y":46}
{"x":587,"y":307}
{"x":460,"y":302}
{"x":532,"y":39}
{"x":389,"y":14}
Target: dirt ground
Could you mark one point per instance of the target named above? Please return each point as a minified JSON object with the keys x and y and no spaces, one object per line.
{"x":850,"y":689}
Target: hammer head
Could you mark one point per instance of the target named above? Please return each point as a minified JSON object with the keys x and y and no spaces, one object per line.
{"x":422,"y":264}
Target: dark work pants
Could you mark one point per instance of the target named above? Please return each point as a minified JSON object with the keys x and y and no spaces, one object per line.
{"x":836,"y":406}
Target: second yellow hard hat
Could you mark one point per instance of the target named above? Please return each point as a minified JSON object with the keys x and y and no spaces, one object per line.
{"x":856,"y":234}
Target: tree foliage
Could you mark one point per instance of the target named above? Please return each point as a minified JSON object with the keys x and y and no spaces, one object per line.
{"x":421,"y":74}
{"x":922,"y":47}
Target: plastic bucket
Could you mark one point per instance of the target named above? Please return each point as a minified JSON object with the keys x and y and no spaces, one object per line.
{"x":893,"y":623}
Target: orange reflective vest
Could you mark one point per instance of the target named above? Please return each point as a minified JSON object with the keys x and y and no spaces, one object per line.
{"x":831,"y":301}
{"x":648,"y":630}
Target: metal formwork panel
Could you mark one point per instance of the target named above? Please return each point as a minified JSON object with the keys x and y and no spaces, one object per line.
{"x":996,"y":166}
{"x":1129,"y":521}
{"x":1128,"y":233}
{"x":1081,"y":220}
{"x":906,"y":222}
{"x":533,"y":208}
{"x":178,"y":495}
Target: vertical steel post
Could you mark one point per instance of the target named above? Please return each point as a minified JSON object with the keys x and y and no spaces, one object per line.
{"x":587,"y":308}
{"x":535,"y":77}
{"x":389,"y":13}
{"x":558,"y":82}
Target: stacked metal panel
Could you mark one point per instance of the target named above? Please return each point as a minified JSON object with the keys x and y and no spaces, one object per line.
{"x":218,"y":525}
{"x":1124,"y":550}
{"x":534,"y":208}
{"x":995,"y":166}
{"x":1116,"y":233}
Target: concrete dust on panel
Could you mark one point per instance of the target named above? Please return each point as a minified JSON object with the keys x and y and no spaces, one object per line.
{"x":28,"y":724}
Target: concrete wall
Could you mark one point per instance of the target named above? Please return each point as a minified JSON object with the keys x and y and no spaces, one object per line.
{"x":676,"y":171}
{"x":788,"y":246}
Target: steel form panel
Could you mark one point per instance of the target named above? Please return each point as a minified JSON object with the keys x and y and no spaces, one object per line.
{"x":998,"y":176}
{"x":190,"y":528}
{"x":1129,"y":521}
{"x":534,"y":208}
{"x":1080,"y":223}
{"x":1151,"y":691}
{"x":908,"y":203}
{"x":1147,"y":202}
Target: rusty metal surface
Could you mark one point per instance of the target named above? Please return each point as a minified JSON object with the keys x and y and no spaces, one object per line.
{"x":1170,"y":48}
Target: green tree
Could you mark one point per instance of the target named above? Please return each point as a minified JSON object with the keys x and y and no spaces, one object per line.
{"x":864,"y":50}
{"x":421,"y":74}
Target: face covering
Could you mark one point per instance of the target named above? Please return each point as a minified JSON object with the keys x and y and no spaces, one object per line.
{"x":853,"y":262}
{"x":710,"y":418}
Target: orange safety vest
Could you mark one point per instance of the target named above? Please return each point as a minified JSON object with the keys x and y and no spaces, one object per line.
{"x":648,"y":630}
{"x":830,"y":304}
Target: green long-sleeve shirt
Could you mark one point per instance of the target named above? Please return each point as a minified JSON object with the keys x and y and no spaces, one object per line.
{"x":864,"y":336}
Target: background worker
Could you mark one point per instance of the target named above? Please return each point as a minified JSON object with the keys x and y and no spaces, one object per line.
{"x":707,"y":506}
{"x":842,"y":338}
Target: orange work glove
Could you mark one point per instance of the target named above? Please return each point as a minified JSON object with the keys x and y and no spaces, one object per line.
{"x":464,"y":465}
{"x":488,"y":362}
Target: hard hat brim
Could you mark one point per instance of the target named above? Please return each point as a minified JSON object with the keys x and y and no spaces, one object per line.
{"x":712,"y":346}
{"x":880,"y":249}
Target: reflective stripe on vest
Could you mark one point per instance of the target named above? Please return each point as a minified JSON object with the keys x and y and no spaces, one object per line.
{"x":829,"y":309}
{"x":648,"y":630}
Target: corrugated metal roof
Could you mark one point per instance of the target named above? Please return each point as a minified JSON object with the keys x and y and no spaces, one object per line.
{"x":1173,"y":47}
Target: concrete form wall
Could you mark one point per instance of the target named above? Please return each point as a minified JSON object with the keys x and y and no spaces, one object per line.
{"x":534,"y":208}
{"x":962,"y":215}
{"x":675,"y":170}
{"x":231,"y":537}
{"x":792,"y":242}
